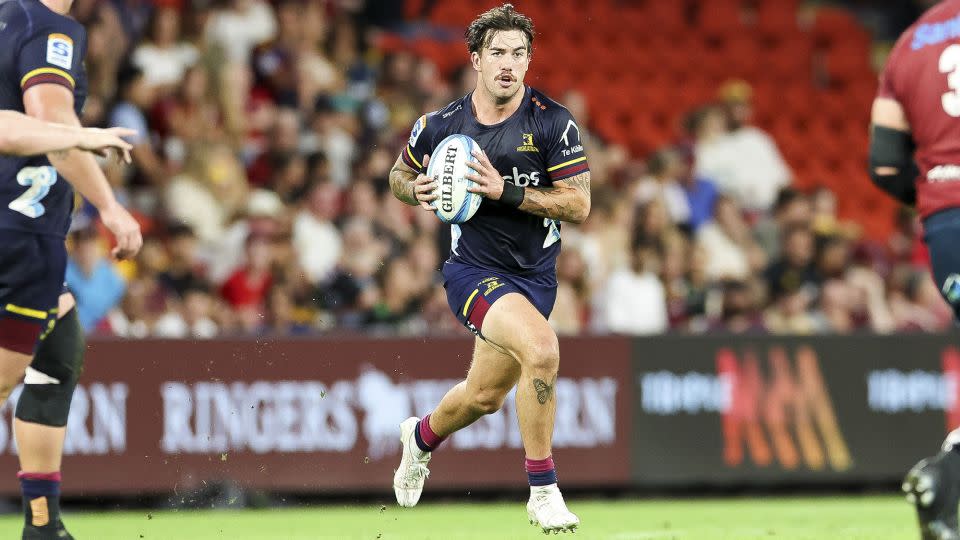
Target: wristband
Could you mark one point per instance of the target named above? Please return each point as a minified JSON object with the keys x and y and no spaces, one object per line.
{"x":512,"y":195}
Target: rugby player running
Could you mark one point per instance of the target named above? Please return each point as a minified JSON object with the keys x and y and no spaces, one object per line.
{"x":40,"y":336}
{"x":500,"y":278}
{"x":915,"y":157}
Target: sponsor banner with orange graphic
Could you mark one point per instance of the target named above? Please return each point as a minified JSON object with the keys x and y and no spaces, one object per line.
{"x":769,"y":410}
{"x":317,"y":416}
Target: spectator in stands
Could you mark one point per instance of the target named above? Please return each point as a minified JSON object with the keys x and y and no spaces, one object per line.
{"x":634,"y":301}
{"x":136,"y":98}
{"x":183,"y":265}
{"x":701,"y":192}
{"x":726,"y":243}
{"x":315,"y":238}
{"x":283,"y":143}
{"x":792,"y":209}
{"x":164,"y":57}
{"x":739,"y":314}
{"x":568,"y":313}
{"x":239,"y":26}
{"x":915,"y":303}
{"x":352,"y":290}
{"x":211,"y":189}
{"x":192,"y":116}
{"x":795,"y":269}
{"x":665,"y":169}
{"x":93,"y":279}
{"x":789,"y":313}
{"x":247,"y":288}
{"x":758,"y":169}
{"x":190,"y":316}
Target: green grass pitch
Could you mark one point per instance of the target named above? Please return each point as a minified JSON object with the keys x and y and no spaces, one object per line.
{"x":806,"y":518}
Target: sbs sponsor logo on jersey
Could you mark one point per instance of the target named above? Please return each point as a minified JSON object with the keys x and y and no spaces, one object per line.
{"x":523,"y":179}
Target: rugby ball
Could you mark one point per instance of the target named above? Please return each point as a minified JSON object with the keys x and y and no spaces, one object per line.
{"x":448,"y":167}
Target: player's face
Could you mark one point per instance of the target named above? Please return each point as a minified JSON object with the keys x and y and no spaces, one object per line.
{"x":502,"y":64}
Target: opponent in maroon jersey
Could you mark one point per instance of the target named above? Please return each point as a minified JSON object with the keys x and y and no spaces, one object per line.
{"x":915,"y":157}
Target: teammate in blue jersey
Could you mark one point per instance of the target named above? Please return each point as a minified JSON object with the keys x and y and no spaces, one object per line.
{"x":42,"y":75}
{"x":500,"y":277}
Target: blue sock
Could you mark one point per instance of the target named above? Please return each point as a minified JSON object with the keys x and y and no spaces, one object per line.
{"x":41,"y":498}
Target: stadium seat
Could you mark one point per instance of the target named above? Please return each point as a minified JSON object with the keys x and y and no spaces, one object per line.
{"x":720,"y":18}
{"x":777,"y":16}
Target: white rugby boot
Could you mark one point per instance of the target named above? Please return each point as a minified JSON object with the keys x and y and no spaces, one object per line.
{"x":409,"y":477}
{"x":546,"y":510}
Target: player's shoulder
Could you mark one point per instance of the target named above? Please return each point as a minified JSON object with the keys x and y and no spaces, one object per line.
{"x":447,"y":114}
{"x":38,"y":18}
{"x":436,"y":122}
{"x":545,"y":106}
{"x":937,"y":25}
{"x":548,"y":113}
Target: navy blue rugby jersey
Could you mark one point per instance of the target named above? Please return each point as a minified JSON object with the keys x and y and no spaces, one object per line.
{"x":536,"y":146}
{"x":39,"y":47}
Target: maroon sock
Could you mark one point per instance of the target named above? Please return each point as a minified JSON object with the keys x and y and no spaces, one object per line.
{"x":541,"y":472}
{"x":427,"y":440}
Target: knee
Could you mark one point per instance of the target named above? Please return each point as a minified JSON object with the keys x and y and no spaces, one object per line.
{"x":487,"y":400}
{"x":542,"y":354}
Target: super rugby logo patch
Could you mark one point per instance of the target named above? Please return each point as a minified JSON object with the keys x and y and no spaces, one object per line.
{"x":60,"y":50}
{"x":417,"y":130}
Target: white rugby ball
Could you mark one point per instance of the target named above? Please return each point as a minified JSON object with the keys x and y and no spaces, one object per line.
{"x":448,"y":167}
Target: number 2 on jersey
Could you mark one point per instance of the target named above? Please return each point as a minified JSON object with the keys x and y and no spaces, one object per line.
{"x":553,"y":232}
{"x":38,"y":181}
{"x":950,"y":65}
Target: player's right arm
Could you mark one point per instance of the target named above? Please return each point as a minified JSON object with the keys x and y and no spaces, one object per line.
{"x":49,"y":61}
{"x":408,"y":180}
{"x":892,"y":167}
{"x":54,"y":103}
{"x":412,"y":187}
{"x":22,"y":135}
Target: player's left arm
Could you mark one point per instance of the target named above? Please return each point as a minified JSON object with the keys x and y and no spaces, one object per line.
{"x":892,"y":167}
{"x":566,"y":200}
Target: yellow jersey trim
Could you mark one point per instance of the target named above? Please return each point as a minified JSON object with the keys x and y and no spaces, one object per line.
{"x":27,"y":312}
{"x":409,"y":153}
{"x":571,"y":162}
{"x":44,"y":70}
{"x":466,"y":307}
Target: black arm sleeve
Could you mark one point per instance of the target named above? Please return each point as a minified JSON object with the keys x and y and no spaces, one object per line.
{"x":894,"y":148}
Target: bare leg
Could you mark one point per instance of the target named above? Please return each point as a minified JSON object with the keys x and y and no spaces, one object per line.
{"x":492,"y":374}
{"x":41,"y":447}
{"x":516,"y":326}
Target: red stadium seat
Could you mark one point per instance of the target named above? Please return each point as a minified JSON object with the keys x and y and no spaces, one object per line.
{"x":720,"y":18}
{"x":776,"y":16}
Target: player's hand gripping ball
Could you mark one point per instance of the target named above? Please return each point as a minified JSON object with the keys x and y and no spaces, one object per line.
{"x":448,"y":168}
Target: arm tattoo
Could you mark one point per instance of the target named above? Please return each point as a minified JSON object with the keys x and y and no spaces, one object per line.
{"x":544,"y":391}
{"x":401,"y":183}
{"x":566,"y":200}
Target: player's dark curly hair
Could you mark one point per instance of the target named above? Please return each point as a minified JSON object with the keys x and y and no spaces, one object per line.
{"x":505,"y":17}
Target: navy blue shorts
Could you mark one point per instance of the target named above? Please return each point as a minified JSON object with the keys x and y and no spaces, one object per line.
{"x":32,"y":268}
{"x":471,"y":291}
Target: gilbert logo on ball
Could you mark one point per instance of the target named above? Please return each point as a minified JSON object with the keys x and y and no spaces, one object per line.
{"x":448,"y":166}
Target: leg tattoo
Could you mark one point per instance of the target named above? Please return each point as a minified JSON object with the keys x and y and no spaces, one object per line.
{"x":544,"y":390}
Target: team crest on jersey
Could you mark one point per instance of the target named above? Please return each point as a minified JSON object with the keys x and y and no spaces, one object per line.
{"x":60,"y":50}
{"x":527,"y":144}
{"x":417,"y":130}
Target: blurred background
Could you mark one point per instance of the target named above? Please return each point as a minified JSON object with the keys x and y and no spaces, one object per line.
{"x":727,"y":142}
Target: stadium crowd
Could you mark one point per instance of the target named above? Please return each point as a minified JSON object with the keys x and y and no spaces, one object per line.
{"x":266,"y":135}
